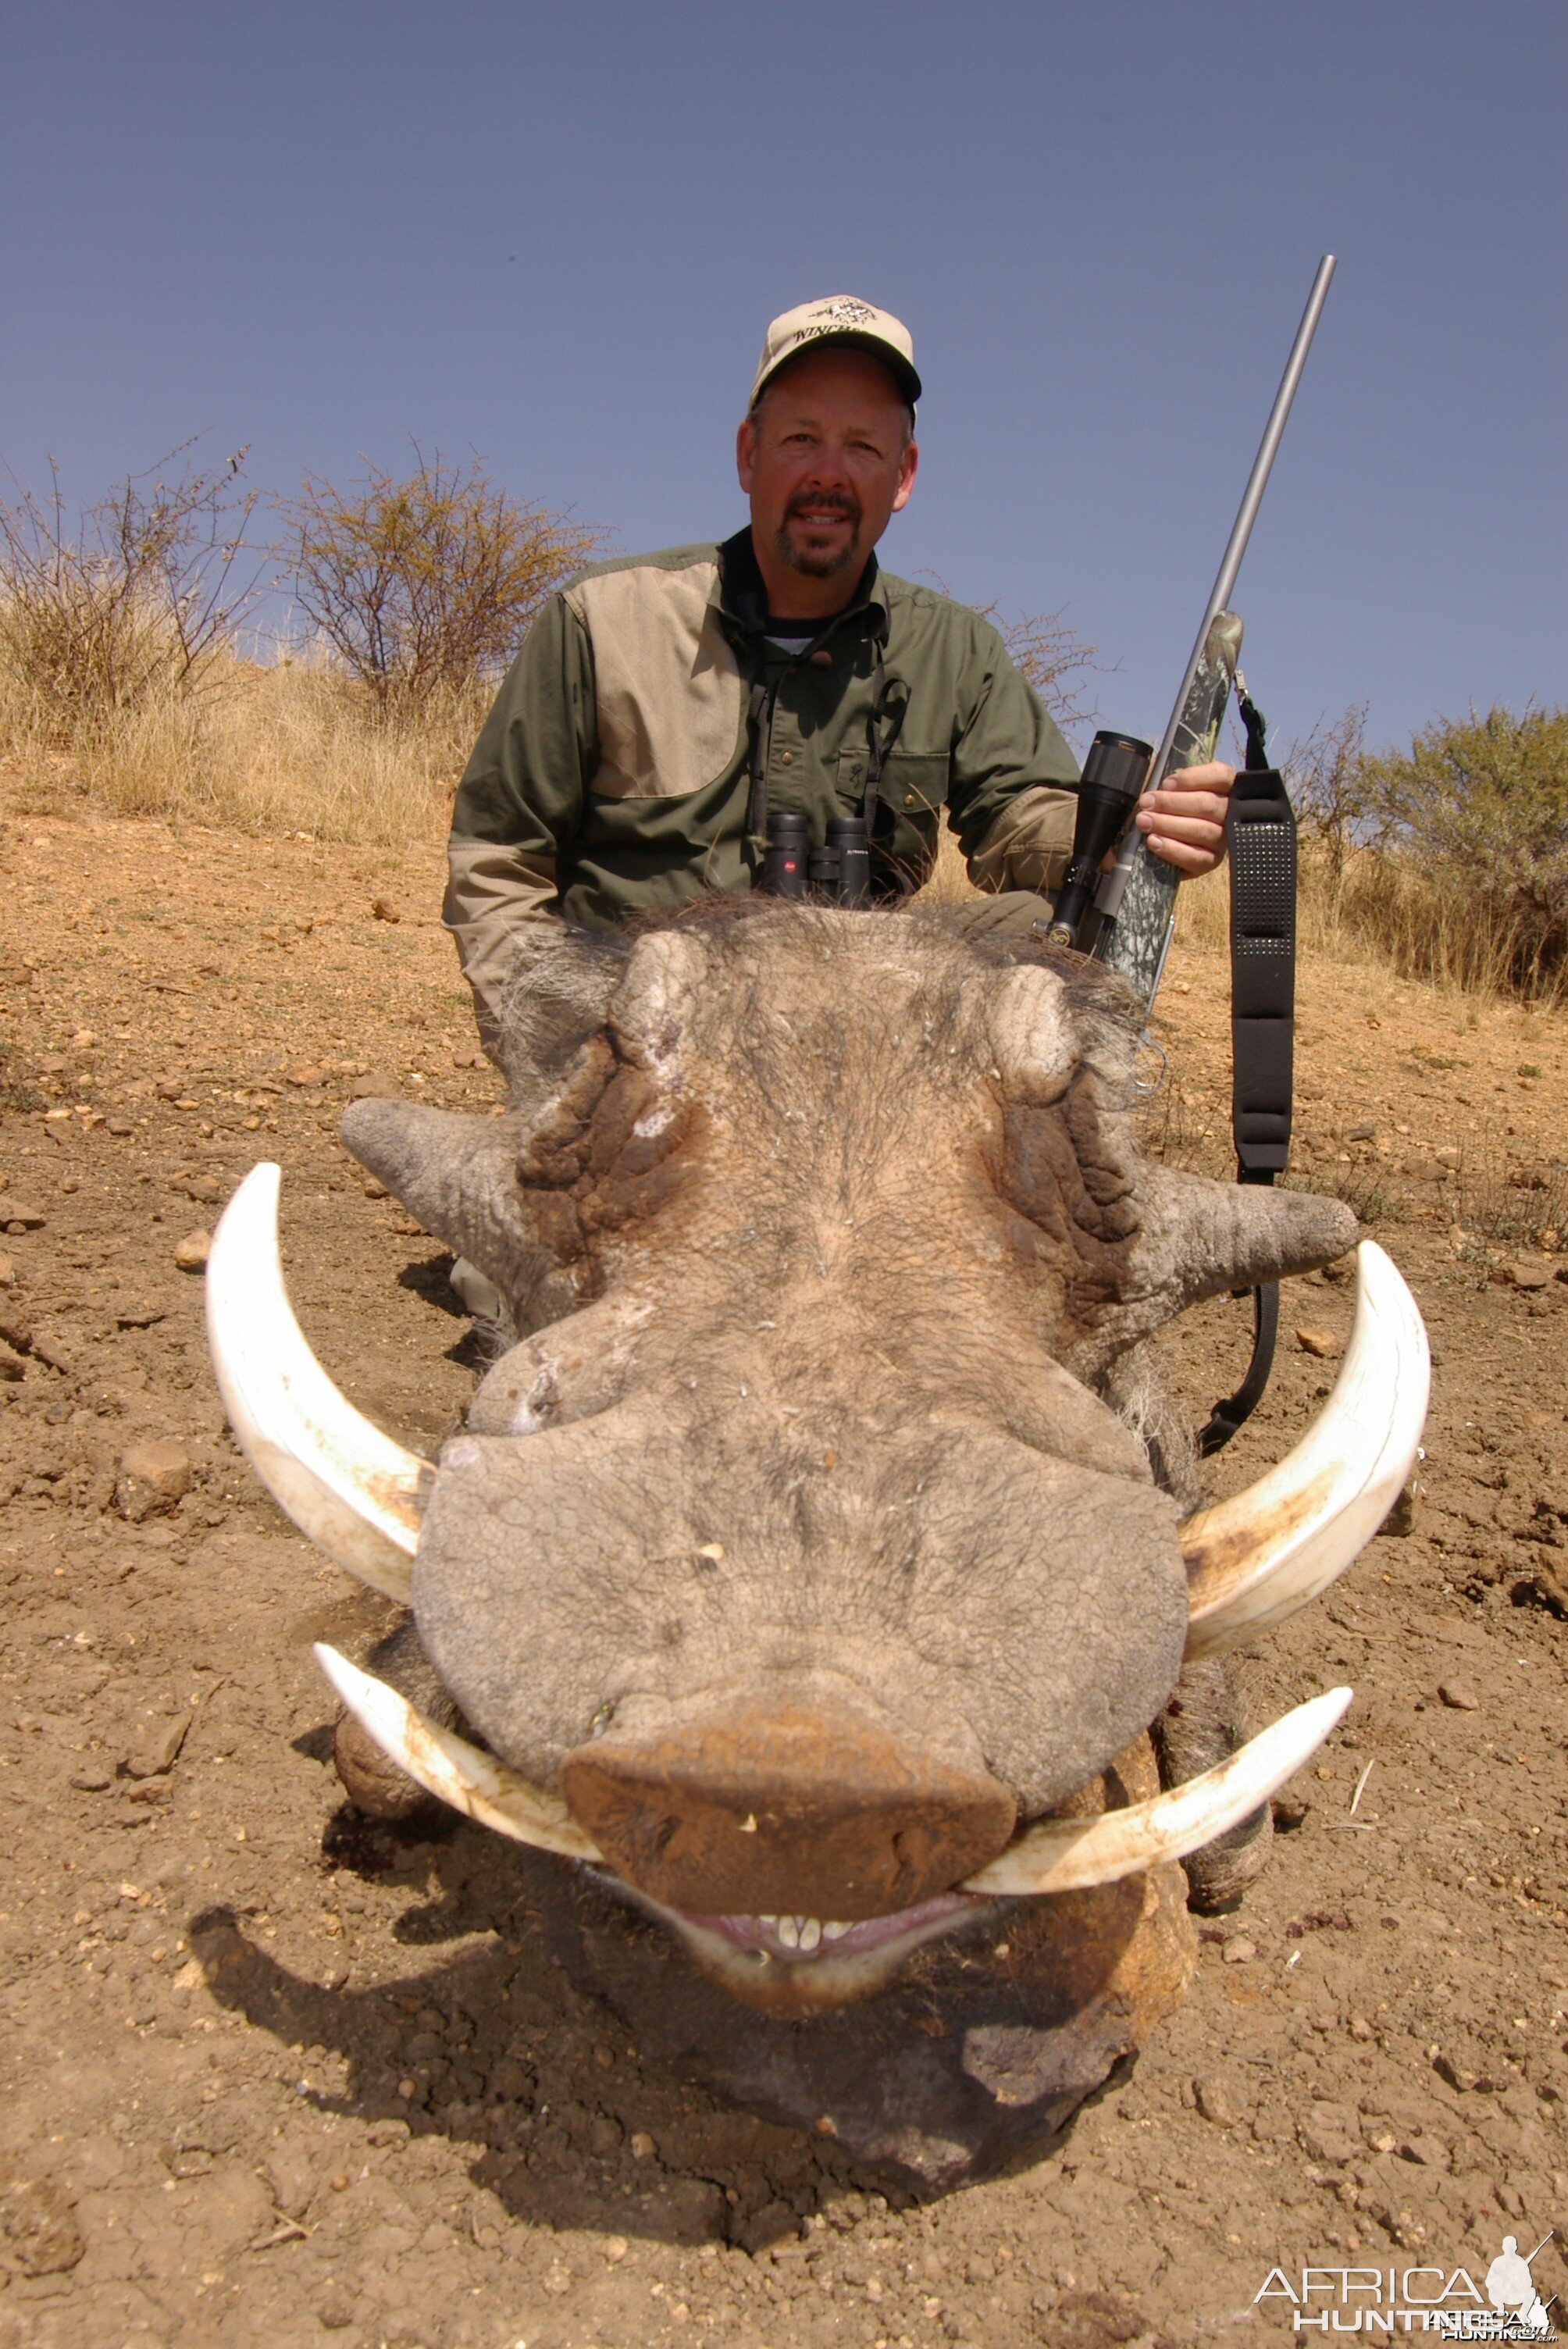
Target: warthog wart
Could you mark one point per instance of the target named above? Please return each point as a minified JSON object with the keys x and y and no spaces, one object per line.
{"x":819,"y":1553}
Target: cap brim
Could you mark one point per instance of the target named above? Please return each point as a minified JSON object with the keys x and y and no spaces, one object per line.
{"x":897,"y":366}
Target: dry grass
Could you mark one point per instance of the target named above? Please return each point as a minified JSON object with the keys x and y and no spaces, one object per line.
{"x":292,"y":747}
{"x":296,"y":746}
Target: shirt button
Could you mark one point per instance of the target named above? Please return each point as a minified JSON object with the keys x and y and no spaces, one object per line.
{"x":785,"y":757}
{"x":910,"y":798}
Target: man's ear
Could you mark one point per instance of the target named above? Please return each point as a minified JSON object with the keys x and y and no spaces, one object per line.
{"x":746,"y":452}
{"x":907,"y":472}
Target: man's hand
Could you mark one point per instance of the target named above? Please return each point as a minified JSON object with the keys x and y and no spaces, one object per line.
{"x":1184,"y":822}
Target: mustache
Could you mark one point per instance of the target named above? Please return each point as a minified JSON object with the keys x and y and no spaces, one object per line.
{"x":830,"y":501}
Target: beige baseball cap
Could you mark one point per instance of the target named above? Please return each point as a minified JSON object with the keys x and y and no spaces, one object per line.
{"x":842,"y":318}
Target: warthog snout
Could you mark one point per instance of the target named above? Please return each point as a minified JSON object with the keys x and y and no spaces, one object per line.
{"x":766,"y":1805}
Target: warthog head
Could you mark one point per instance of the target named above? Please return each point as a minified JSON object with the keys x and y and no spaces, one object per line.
{"x":813,"y":1551}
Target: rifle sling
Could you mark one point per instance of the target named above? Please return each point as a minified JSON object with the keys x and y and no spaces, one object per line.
{"x":1260,"y":826}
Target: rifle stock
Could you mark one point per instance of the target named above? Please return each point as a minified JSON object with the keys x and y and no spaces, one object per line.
{"x":1135,"y":939}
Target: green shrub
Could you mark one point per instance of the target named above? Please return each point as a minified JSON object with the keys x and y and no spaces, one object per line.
{"x":422,"y":587}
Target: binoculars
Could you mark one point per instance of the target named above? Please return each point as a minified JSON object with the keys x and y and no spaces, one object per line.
{"x":837,"y":874}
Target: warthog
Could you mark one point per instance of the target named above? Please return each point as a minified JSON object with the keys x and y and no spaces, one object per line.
{"x":819,"y":1554}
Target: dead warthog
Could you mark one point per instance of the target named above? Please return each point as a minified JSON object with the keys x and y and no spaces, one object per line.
{"x":819,"y":1554}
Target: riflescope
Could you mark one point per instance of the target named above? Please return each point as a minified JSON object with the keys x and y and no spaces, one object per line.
{"x":1113,"y":776}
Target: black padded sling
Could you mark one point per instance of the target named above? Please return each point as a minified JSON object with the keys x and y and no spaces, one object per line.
{"x":1260,"y":828}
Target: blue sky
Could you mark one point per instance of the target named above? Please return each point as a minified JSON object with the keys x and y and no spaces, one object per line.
{"x":555,"y":234}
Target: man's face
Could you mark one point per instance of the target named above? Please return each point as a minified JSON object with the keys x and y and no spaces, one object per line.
{"x":825,"y":462}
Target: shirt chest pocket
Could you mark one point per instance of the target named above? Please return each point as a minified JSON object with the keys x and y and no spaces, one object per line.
{"x":912,"y":786}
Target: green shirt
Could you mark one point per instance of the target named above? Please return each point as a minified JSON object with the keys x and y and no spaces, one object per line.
{"x":613,"y":776}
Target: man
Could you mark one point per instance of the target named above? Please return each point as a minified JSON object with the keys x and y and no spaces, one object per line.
{"x":663,"y":705}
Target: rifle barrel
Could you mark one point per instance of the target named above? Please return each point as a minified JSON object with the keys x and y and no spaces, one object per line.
{"x":1236,"y":546}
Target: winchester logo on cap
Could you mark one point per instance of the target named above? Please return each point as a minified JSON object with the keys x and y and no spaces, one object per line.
{"x":841,"y":319}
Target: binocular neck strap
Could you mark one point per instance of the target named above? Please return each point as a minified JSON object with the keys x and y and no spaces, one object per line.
{"x":881,"y":731}
{"x":757,"y":717}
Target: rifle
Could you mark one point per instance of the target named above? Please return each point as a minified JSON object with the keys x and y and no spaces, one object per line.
{"x":1134,"y":909}
{"x":1132,"y":919}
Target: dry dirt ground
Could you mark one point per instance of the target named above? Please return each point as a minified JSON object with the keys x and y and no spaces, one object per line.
{"x":270,"y":2076}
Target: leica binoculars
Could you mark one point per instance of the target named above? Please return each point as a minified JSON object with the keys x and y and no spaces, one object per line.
{"x":837,"y":874}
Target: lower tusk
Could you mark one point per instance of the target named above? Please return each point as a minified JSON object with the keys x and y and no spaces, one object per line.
{"x":350,"y":1489}
{"x":451,"y":1769}
{"x":1069,"y":1855}
{"x":1255,"y":1559}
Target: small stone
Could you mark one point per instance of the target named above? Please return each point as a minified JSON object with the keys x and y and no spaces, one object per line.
{"x":118,"y":1125}
{"x":616,"y":2248}
{"x":93,"y":1780}
{"x":1401,"y":1518}
{"x":190,"y":1253}
{"x":1359,"y":2027}
{"x":1215,"y":2103}
{"x":20,"y":1218}
{"x":1526,"y":1275}
{"x":406,"y":2090}
{"x":160,"y":1753}
{"x":48,"y":1351}
{"x":334,"y":2311}
{"x":1458,"y":1696}
{"x":38,"y":2226}
{"x":385,"y":910}
{"x":13,"y":1369}
{"x":642,"y":2147}
{"x":372,"y":1189}
{"x":1238,"y":1950}
{"x":1321,"y":1343}
{"x":154,"y":1478}
{"x":1448,"y":1159}
{"x":305,"y":1073}
{"x":140,"y":1317}
{"x":15,"y":1329}
{"x":376,"y":1085}
{"x":7,"y":1272}
{"x":1362,"y":1133}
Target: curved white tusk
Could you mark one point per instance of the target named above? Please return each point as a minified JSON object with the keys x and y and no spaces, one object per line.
{"x":1068,"y":1854}
{"x":450,"y":1768}
{"x":355,"y":1493}
{"x":1255,"y":1559}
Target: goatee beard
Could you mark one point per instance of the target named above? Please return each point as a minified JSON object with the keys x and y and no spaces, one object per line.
{"x":819,"y":564}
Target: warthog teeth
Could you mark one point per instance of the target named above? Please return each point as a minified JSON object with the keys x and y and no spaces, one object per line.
{"x":1255,"y":1559}
{"x":1069,"y":1855}
{"x":451,"y":1769}
{"x":347,"y":1487}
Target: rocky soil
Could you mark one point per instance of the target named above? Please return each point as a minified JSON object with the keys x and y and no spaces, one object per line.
{"x":269,"y":2075}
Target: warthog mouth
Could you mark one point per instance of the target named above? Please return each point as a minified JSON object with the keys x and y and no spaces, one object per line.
{"x":798,"y":1964}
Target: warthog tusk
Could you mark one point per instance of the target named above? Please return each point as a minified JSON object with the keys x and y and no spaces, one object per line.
{"x":1068,"y":1854}
{"x":355,"y":1492}
{"x":1255,"y":1559}
{"x":450,"y":1768}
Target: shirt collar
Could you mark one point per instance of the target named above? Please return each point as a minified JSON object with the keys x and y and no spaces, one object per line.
{"x":739,"y":594}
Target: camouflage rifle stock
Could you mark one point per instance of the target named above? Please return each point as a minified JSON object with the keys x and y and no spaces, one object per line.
{"x":1136,"y":938}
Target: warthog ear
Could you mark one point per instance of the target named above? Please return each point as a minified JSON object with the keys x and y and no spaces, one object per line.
{"x":659,"y":997}
{"x":1198,"y":1237}
{"x":1030,"y":1030}
{"x":458,"y":1175}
